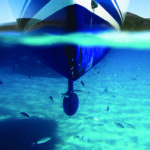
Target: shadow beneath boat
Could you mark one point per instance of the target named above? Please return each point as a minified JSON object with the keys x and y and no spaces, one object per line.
{"x":22,"y":134}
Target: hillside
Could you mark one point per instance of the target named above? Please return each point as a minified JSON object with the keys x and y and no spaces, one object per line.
{"x":132,"y":23}
{"x":9,"y":27}
{"x":135,"y":23}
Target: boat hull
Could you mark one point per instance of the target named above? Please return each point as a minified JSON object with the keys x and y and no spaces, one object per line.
{"x":72,"y":61}
{"x":62,"y":17}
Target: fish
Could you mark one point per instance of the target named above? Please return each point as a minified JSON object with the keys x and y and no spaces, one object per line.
{"x":106,"y":90}
{"x":113,"y":96}
{"x":130,"y":125}
{"x":82,"y":138}
{"x":77,"y":91}
{"x":88,"y":117}
{"x":43,"y":140}
{"x":1,"y":82}
{"x":93,"y":118}
{"x":82,"y":83}
{"x":119,"y":125}
{"x":107,"y":108}
{"x":51,"y":98}
{"x":133,"y":78}
{"x":24,"y":114}
{"x":100,"y":124}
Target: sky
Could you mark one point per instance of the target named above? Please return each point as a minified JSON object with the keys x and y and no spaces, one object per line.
{"x":139,"y":7}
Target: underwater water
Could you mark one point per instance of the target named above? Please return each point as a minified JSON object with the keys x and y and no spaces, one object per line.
{"x":113,"y":39}
{"x":114,"y":99}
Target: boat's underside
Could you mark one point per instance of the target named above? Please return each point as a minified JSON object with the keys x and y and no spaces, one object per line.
{"x":72,"y":61}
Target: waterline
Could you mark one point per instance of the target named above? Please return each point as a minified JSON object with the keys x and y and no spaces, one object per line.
{"x":115,"y":39}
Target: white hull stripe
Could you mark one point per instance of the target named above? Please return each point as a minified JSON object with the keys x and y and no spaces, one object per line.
{"x":117,"y":9}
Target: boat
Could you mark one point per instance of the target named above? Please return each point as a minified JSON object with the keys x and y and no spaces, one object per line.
{"x":69,"y":16}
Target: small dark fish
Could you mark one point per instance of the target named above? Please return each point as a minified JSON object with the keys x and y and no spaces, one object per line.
{"x":100,"y":124}
{"x":130,"y":126}
{"x":119,"y":125}
{"x":51,"y":98}
{"x":113,"y":96}
{"x":88,"y":117}
{"x":77,"y":91}
{"x":107,"y":108}
{"x":133,"y":78}
{"x":24,"y":114}
{"x":82,"y":83}
{"x":106,"y":90}
{"x":77,"y":136}
{"x":1,"y":82}
{"x":82,"y":138}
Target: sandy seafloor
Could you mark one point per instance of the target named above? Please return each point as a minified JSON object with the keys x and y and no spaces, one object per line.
{"x":121,"y":81}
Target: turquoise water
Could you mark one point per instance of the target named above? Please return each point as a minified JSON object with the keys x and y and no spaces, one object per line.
{"x":114,"y":101}
{"x":114,"y":39}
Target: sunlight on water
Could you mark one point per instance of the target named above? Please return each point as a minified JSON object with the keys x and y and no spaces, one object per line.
{"x":135,"y":40}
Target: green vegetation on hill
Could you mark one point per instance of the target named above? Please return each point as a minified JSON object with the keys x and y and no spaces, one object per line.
{"x":9,"y":28}
{"x":133,"y":22}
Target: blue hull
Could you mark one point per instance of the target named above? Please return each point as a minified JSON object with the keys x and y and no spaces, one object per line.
{"x":71,"y":61}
